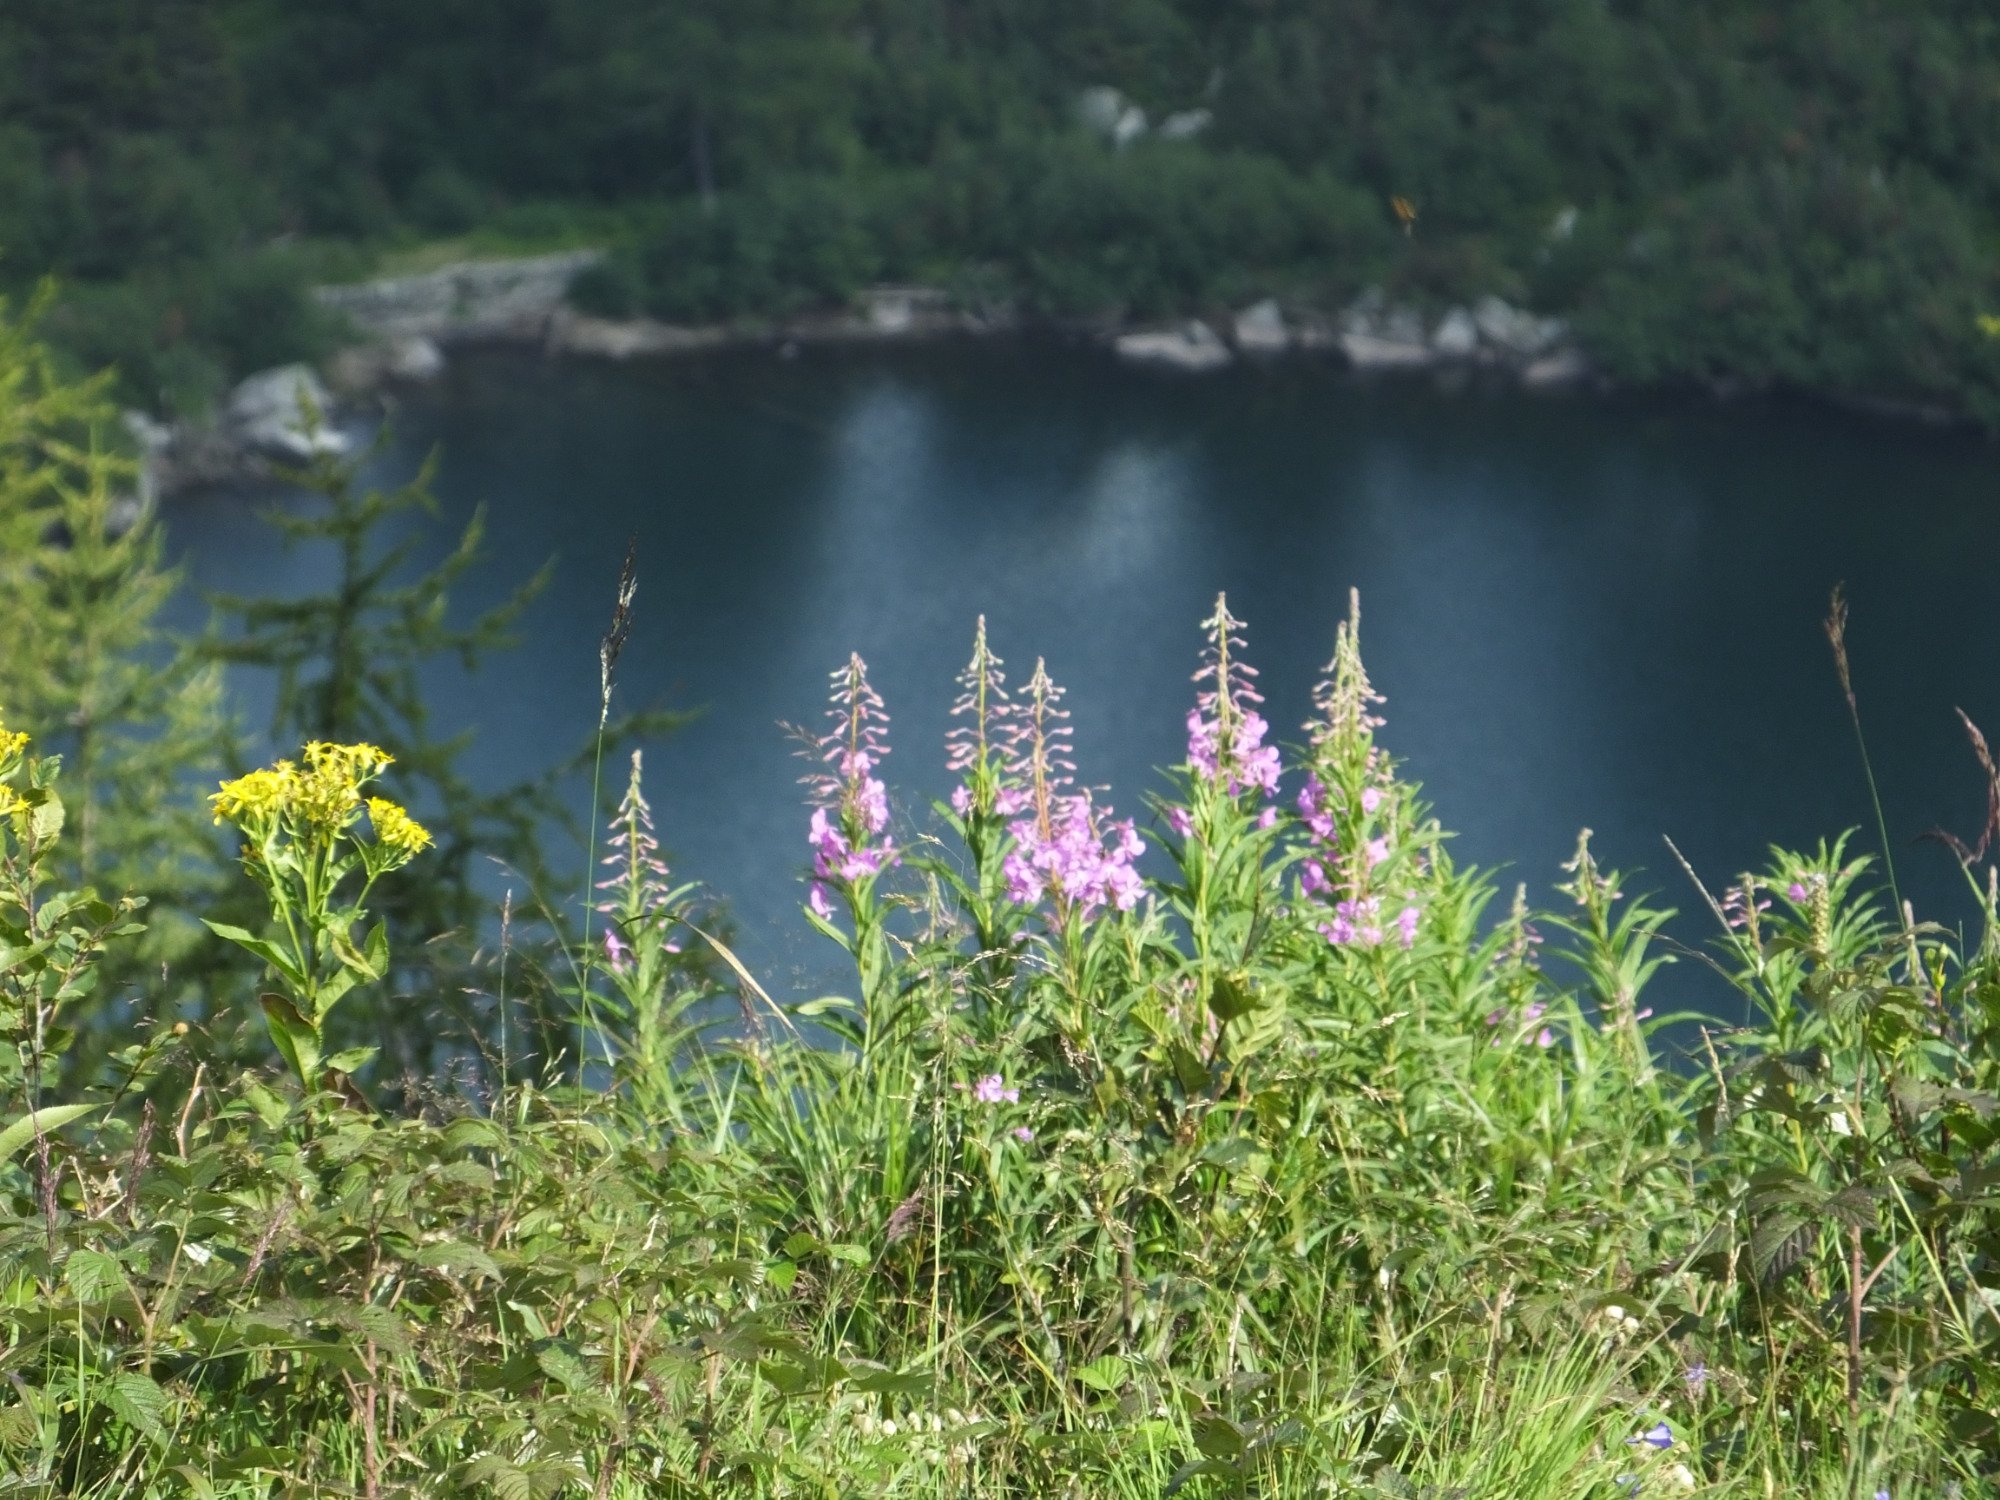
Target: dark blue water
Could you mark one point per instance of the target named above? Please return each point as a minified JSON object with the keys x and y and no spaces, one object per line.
{"x":1583,"y":612}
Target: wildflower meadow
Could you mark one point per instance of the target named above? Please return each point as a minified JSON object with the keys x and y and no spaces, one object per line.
{"x":1226,"y":1138}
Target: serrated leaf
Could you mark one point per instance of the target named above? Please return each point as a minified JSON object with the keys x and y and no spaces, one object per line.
{"x":1106,"y":1373}
{"x":1780,"y":1242}
{"x":93,"y":1275}
{"x":137,"y":1402}
{"x":457,"y":1256}
{"x":500,"y":1477}
{"x":18,"y":1427}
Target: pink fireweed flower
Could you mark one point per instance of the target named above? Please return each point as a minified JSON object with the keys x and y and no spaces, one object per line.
{"x":1796,"y":893}
{"x":1371,"y":799}
{"x":1738,"y":907}
{"x":1075,"y":859}
{"x":1315,"y":807}
{"x":1545,"y":1038}
{"x":1356,"y":921}
{"x":848,"y":827}
{"x":1378,"y":850}
{"x":1023,"y":1134}
{"x":1180,"y":821}
{"x":614,"y":953}
{"x":992,"y":1089}
{"x":1225,"y":730}
{"x":1067,"y":850}
{"x":1406,"y":926}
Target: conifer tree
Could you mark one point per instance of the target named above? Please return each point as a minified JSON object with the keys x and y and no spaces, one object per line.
{"x":87,"y":666}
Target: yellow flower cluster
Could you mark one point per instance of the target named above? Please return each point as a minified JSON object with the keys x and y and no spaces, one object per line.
{"x":325,"y":792}
{"x":395,"y":828}
{"x":12,"y":744}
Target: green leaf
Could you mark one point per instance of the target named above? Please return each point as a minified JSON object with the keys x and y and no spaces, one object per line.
{"x":48,"y":1118}
{"x":296,"y":1038}
{"x":18,"y":1427}
{"x":93,"y":1275}
{"x":251,"y":943}
{"x":45,"y":821}
{"x":1105,"y":1373}
{"x":500,"y":1477}
{"x":352,"y":1060}
{"x":137,"y":1402}
{"x":459,"y":1257}
{"x":354,"y":958}
{"x":1217,"y":1437}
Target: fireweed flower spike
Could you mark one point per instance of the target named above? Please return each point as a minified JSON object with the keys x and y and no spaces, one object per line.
{"x":851,"y":818}
{"x":1225,"y":730}
{"x":640,"y":896}
{"x":1060,"y":851}
{"x":977,"y":746}
{"x":1345,"y":803}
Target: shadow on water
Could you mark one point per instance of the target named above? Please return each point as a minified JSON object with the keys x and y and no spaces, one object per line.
{"x":1583,"y":611}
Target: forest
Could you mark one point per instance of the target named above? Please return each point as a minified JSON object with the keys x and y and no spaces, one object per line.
{"x":1713,"y":192}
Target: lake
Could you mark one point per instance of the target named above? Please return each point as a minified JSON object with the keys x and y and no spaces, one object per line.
{"x":1583,"y":611}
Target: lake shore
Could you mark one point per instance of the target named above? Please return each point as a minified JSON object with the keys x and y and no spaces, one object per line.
{"x":407,"y":327}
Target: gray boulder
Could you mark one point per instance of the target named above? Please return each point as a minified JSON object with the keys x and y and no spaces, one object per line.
{"x":1456,"y":336}
{"x":1566,"y":366}
{"x":1185,"y":124}
{"x":285,"y":412}
{"x":1516,"y":332}
{"x":1260,"y":329}
{"x":1193,"y":347}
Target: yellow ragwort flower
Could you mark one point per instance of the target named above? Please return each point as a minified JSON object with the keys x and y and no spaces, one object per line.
{"x":259,"y":797}
{"x":10,"y":801}
{"x":352,"y":763}
{"x":395,"y":828}
{"x":12,"y":743}
{"x":329,"y":793}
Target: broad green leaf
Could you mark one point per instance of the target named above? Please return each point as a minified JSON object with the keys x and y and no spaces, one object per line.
{"x":92,"y":1274}
{"x":297,"y":1040}
{"x":48,"y":1118}
{"x":1105,"y":1373}
{"x":270,"y":952}
{"x":137,"y":1402}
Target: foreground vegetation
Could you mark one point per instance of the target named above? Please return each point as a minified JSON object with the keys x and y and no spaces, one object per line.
{"x":1709,"y":189}
{"x":1251,"y":1155}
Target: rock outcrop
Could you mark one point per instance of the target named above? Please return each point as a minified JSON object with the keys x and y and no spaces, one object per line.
{"x":284,"y":413}
{"x":1193,"y":347}
{"x":1260,"y":330}
{"x":471,"y":300}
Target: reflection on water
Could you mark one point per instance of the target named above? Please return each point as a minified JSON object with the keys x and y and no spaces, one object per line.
{"x":1582,"y":612}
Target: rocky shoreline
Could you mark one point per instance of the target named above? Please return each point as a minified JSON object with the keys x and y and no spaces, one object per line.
{"x":409,"y":326}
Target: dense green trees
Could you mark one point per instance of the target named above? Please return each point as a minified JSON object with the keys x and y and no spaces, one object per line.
{"x":1793,"y":194}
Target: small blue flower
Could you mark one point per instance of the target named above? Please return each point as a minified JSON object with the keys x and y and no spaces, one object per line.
{"x":1659,"y":1435}
{"x":1697,"y":1377}
{"x":1629,"y":1483}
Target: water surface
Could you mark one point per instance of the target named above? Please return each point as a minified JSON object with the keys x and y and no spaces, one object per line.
{"x":1583,"y":612}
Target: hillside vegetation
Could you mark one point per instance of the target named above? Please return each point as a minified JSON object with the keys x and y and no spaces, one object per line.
{"x":1718,"y":189}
